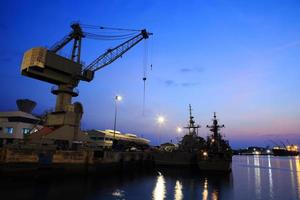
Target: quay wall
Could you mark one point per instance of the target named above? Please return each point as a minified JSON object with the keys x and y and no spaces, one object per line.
{"x":20,"y":160}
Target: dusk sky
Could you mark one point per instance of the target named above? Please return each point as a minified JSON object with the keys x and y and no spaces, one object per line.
{"x":240,"y":59}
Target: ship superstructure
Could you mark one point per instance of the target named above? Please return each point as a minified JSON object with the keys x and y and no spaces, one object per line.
{"x":218,"y":153}
{"x":191,"y":141}
{"x":213,"y":154}
{"x":215,"y":141}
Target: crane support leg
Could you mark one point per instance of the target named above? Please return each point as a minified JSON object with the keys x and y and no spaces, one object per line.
{"x":64,"y":97}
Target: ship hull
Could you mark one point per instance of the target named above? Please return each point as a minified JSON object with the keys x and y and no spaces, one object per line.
{"x":174,"y":158}
{"x":283,"y":152}
{"x":180,"y":159}
{"x":214,"y":165}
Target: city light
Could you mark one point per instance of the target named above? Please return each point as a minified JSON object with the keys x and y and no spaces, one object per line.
{"x":256,"y":152}
{"x":160,"y":119}
{"x":119,"y":98}
{"x":179,"y":129}
{"x":204,"y":153}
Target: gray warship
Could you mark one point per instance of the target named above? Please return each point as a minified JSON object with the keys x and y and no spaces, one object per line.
{"x":212,"y":154}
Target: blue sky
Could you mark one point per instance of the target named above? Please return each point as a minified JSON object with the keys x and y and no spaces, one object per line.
{"x":238,"y":58}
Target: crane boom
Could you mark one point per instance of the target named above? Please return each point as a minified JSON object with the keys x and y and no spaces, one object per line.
{"x":112,"y":54}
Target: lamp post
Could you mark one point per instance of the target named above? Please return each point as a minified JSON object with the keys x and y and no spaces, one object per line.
{"x":117,"y":98}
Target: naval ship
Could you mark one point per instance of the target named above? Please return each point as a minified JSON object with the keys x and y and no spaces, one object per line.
{"x":212,"y":154}
{"x":218,"y":153}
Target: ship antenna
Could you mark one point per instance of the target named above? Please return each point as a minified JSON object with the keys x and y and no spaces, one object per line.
{"x":190,"y":108}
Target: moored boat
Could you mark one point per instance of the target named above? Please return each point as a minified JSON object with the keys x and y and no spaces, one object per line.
{"x":288,"y":150}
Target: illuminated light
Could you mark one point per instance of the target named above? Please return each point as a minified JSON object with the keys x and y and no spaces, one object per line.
{"x":268,"y":151}
{"x":295,"y":146}
{"x":160,"y":119}
{"x":256,"y":152}
{"x":118,"y":193}
{"x":292,"y":148}
{"x":213,"y":140}
{"x":119,"y":98}
{"x":205,"y":153}
{"x":179,"y":130}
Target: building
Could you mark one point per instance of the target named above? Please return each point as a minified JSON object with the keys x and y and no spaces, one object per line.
{"x":106,"y":138}
{"x":16,"y":125}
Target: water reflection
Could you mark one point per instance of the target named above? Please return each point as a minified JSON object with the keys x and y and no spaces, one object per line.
{"x":178,"y":191}
{"x":297,"y":164}
{"x":266,"y":177}
{"x":292,"y":174}
{"x":215,"y":195}
{"x":205,"y":190}
{"x":270,"y":177}
{"x":257,"y":177}
{"x":159,"y":192}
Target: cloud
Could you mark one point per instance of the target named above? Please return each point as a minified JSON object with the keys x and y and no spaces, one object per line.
{"x":195,"y":70}
{"x":189,"y":84}
{"x":170,"y":83}
{"x":185,"y":69}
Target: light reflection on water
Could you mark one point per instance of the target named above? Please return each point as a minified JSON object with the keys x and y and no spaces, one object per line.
{"x":297,"y":164}
{"x":205,"y":190}
{"x":159,"y":192}
{"x":253,"y":177}
{"x":270,"y":177}
{"x":178,"y":191}
{"x":257,"y":177}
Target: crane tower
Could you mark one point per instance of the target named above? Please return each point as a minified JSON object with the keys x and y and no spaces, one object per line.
{"x":47,"y":65}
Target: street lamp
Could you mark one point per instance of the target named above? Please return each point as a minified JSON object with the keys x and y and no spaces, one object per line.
{"x":160,"y":120}
{"x":117,"y":98}
{"x":179,"y":129}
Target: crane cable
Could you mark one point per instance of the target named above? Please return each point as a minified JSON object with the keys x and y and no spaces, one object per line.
{"x":108,"y":28}
{"x":145,"y":64}
{"x":108,"y":37}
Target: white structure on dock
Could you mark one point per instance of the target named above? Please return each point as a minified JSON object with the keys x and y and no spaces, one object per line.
{"x":16,"y":125}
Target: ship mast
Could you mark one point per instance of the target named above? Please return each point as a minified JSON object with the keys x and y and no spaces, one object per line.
{"x":192,"y":127}
{"x":215,"y":129}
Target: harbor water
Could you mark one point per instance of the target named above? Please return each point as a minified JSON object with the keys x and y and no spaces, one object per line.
{"x":252,"y":177}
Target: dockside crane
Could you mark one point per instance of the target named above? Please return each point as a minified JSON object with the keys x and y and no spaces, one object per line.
{"x":48,"y":66}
